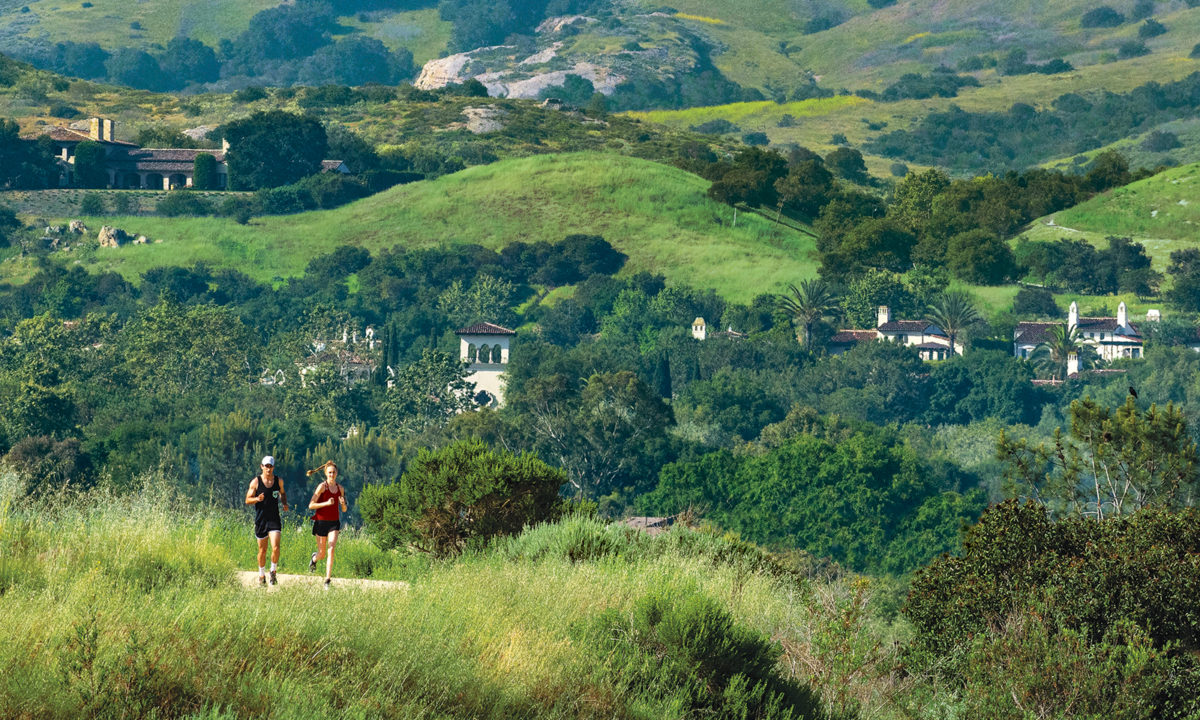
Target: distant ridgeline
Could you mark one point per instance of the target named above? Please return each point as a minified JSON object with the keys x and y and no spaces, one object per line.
{"x":1025,"y":136}
{"x":305,"y":43}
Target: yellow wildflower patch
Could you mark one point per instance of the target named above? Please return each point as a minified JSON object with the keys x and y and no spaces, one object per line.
{"x":913,"y":38}
{"x":700,"y":18}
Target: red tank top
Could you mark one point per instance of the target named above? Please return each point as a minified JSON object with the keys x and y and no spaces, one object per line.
{"x":329,"y":512}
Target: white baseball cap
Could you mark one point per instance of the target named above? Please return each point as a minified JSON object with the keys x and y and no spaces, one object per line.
{"x":268,"y":460}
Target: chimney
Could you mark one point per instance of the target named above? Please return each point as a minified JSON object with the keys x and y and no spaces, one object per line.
{"x":94,"y":130}
{"x":1122,"y":315}
{"x":107,"y":128}
{"x":699,"y":329}
{"x":883,"y":316}
{"x":1072,"y":364}
{"x":1073,"y":316}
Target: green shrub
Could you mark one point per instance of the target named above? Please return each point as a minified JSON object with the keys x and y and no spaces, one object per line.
{"x":460,"y":496}
{"x":204,"y":170}
{"x":92,"y":204}
{"x":179,"y":203}
{"x":1130,"y":581}
{"x":688,"y":651}
{"x":1132,"y":49}
{"x":124,"y":203}
{"x":250,"y":94}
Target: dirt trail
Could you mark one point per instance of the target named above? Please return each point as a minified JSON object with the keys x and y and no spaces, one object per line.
{"x":249,"y":579}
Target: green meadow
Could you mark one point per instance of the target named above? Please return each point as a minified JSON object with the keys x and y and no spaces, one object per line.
{"x":656,"y":214}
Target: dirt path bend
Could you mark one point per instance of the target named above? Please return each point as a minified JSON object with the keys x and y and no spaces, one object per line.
{"x":249,"y":579}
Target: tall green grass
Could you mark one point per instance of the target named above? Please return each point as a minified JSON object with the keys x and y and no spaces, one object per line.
{"x":127,"y":607}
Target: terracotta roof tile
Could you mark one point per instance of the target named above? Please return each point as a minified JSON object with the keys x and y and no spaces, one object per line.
{"x":911,"y":326}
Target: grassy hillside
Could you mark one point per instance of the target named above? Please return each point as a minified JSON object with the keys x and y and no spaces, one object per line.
{"x":658,"y":215}
{"x":113,"y":23}
{"x":1161,"y":212}
{"x":147,"y":619}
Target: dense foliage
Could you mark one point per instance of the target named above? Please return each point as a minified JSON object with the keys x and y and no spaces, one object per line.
{"x":462,"y":495}
{"x":1024,"y":135}
{"x":1101,"y":605}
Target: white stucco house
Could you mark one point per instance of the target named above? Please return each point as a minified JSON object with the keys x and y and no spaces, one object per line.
{"x":484,"y":347}
{"x":1112,"y":337}
{"x":929,"y":340}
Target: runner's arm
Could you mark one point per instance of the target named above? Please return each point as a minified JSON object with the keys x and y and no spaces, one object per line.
{"x":282,"y":494}
{"x":313,"y":504}
{"x":251,"y":498}
{"x":342,"y":496}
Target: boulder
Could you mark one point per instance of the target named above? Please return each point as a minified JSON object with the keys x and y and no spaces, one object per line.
{"x":78,"y":227}
{"x":112,"y":237}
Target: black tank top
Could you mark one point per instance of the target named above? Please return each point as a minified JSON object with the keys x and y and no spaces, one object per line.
{"x":268,"y":509}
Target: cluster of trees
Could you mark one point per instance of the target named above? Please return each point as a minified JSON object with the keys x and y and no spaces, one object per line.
{"x":289,"y":44}
{"x":942,"y":82}
{"x":931,"y":220}
{"x":1077,"y":266}
{"x":1024,"y":135}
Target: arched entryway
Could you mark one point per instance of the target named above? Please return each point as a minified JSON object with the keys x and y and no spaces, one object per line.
{"x":154,"y":181}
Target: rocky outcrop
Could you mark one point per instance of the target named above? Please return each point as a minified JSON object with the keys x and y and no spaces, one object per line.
{"x":78,"y":227}
{"x":113,"y":237}
{"x":602,"y":78}
{"x":556,"y":24}
{"x":483,"y":119}
{"x":450,"y":69}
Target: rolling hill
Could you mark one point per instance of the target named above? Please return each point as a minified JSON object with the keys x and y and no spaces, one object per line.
{"x":658,"y":215}
{"x":1161,"y":212}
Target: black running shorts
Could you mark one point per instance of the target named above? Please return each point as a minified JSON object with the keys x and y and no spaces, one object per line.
{"x":262,"y":529}
{"x":322,"y":527}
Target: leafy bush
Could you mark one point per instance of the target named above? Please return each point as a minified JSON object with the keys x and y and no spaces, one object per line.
{"x":179,"y":203}
{"x":92,"y":204}
{"x":1102,"y":16}
{"x":1114,"y":595}
{"x":461,"y":496}
{"x":1131,"y":49}
{"x":1161,"y":141}
{"x":756,"y":138}
{"x":1151,"y":28}
{"x":124,"y":204}
{"x":250,"y":94}
{"x":719,"y":126}
{"x":689,"y":650}
{"x":1195,"y":53}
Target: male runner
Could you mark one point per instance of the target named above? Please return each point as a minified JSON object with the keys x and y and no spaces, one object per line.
{"x":265,"y":494}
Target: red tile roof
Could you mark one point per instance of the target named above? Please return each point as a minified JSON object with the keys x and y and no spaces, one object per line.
{"x":66,"y":134}
{"x":911,"y":326}
{"x":1034,"y":333}
{"x":484,"y":328}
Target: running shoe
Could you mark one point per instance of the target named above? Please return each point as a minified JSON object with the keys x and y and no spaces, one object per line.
{"x":262,"y":579}
{"x":273,"y":580}
{"x":326,"y":583}
{"x":312,"y":563}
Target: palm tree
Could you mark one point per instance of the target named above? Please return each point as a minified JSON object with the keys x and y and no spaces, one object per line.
{"x":1050,"y":356}
{"x":809,"y":304}
{"x":953,"y":312}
